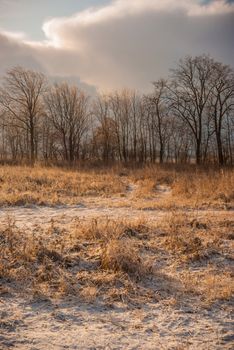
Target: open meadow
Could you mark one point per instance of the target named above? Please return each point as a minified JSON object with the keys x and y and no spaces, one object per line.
{"x":116,"y":175}
{"x":116,"y":258}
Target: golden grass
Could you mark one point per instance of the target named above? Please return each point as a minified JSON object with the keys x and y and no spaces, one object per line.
{"x":191,"y":186}
{"x":53,"y":186}
{"x":210,"y":285}
{"x":122,"y":255}
{"x":189,"y":238}
{"x":57,"y":262}
{"x":140,"y":188}
{"x":215,"y":187}
{"x":118,"y":260}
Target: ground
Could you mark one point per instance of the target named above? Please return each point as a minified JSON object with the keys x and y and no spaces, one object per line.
{"x":121,"y":260}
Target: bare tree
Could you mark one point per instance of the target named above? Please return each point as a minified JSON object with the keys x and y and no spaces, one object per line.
{"x":221,"y":102}
{"x":125,"y":109}
{"x":190,"y":115}
{"x":190,"y":91}
{"x":105,"y":134}
{"x":159,"y":110}
{"x":67,"y":110}
{"x":21,"y":98}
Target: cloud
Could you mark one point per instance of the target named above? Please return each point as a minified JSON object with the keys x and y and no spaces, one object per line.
{"x":130,"y":43}
{"x":13,"y":35}
{"x":63,"y":31}
{"x":15,"y":52}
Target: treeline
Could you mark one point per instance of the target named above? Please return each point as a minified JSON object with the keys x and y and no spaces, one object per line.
{"x":187,"y":118}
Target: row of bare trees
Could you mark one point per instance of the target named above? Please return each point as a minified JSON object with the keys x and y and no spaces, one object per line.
{"x":189,"y":117}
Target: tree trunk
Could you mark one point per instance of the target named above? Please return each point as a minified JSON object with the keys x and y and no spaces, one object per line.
{"x":32,"y":143}
{"x":220,"y":149}
{"x":198,"y":152}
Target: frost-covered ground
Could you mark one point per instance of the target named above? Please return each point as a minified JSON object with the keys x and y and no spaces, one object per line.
{"x":53,"y":324}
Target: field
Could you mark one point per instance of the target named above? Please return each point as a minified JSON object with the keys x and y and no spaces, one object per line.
{"x":116,"y":258}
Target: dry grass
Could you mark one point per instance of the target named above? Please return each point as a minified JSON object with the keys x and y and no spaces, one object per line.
{"x":202,"y":249}
{"x":189,"y":238}
{"x":53,"y":186}
{"x":205,"y":188}
{"x":209,"y":285}
{"x":190,"y":187}
{"x":116,"y":259}
{"x":56,"y":262}
{"x":122,"y":255}
{"x":169,"y":269}
{"x":119,"y":260}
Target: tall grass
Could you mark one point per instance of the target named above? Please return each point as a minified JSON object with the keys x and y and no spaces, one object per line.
{"x":190,"y":186}
{"x":119,"y":260}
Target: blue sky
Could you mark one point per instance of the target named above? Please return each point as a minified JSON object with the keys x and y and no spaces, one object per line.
{"x":109,"y":44}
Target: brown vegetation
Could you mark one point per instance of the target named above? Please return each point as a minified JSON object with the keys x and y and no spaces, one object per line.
{"x":52,"y":186}
{"x":117,"y":260}
{"x":100,"y":255}
{"x":140,"y":188}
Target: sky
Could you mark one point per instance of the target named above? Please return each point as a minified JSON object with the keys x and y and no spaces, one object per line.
{"x":103,"y":45}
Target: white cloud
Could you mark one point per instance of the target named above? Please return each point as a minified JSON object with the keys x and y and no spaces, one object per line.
{"x":14,"y":35}
{"x":129,"y":43}
{"x":59,"y":30}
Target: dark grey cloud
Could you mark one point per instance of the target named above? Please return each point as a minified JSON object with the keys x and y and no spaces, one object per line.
{"x":129,"y":43}
{"x":16,"y":53}
{"x":73,"y":80}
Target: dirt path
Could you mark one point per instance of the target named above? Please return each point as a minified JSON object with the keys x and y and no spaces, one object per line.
{"x":96,"y":208}
{"x":32,"y":217}
{"x":73,"y":326}
{"x":29,"y":217}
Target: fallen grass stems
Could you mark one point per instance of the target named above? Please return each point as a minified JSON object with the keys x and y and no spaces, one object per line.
{"x":117,"y":260}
